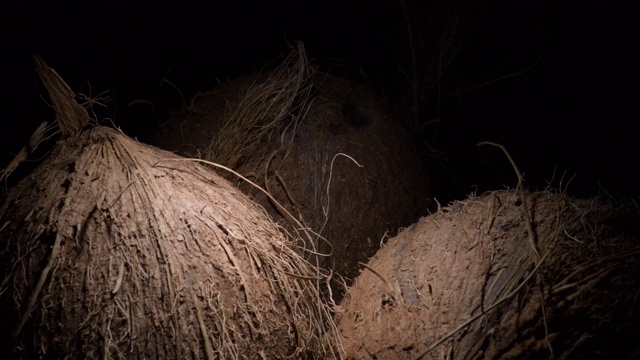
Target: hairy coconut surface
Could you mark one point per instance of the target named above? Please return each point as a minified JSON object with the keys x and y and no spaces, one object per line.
{"x":470,"y":282}
{"x":116,"y":249}
{"x":327,"y":149}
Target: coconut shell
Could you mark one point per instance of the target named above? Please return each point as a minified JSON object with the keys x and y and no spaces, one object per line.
{"x":341,"y":162}
{"x":115,"y":249}
{"x":466,"y":283}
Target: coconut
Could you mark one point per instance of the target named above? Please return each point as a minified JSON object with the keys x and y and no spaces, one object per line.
{"x":115,"y":249}
{"x":473,"y":282}
{"x":339,"y":163}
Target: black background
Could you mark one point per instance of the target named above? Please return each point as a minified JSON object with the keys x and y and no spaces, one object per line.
{"x":574,"y":109}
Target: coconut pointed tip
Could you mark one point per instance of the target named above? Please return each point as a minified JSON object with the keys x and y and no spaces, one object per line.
{"x":70,"y":115}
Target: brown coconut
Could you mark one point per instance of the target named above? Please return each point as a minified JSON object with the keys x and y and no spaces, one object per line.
{"x":466,"y":283}
{"x":329,"y":150}
{"x":115,"y":249}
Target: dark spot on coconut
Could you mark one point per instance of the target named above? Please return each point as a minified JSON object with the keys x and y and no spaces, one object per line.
{"x":353,"y":115}
{"x":66,"y":184}
{"x":71,"y":167}
{"x":223,"y":228}
{"x":387,"y":302}
{"x":509,"y":226}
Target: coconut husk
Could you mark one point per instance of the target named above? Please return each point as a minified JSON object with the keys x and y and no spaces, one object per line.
{"x":470,"y":282}
{"x":327,"y":149}
{"x":116,"y":249}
